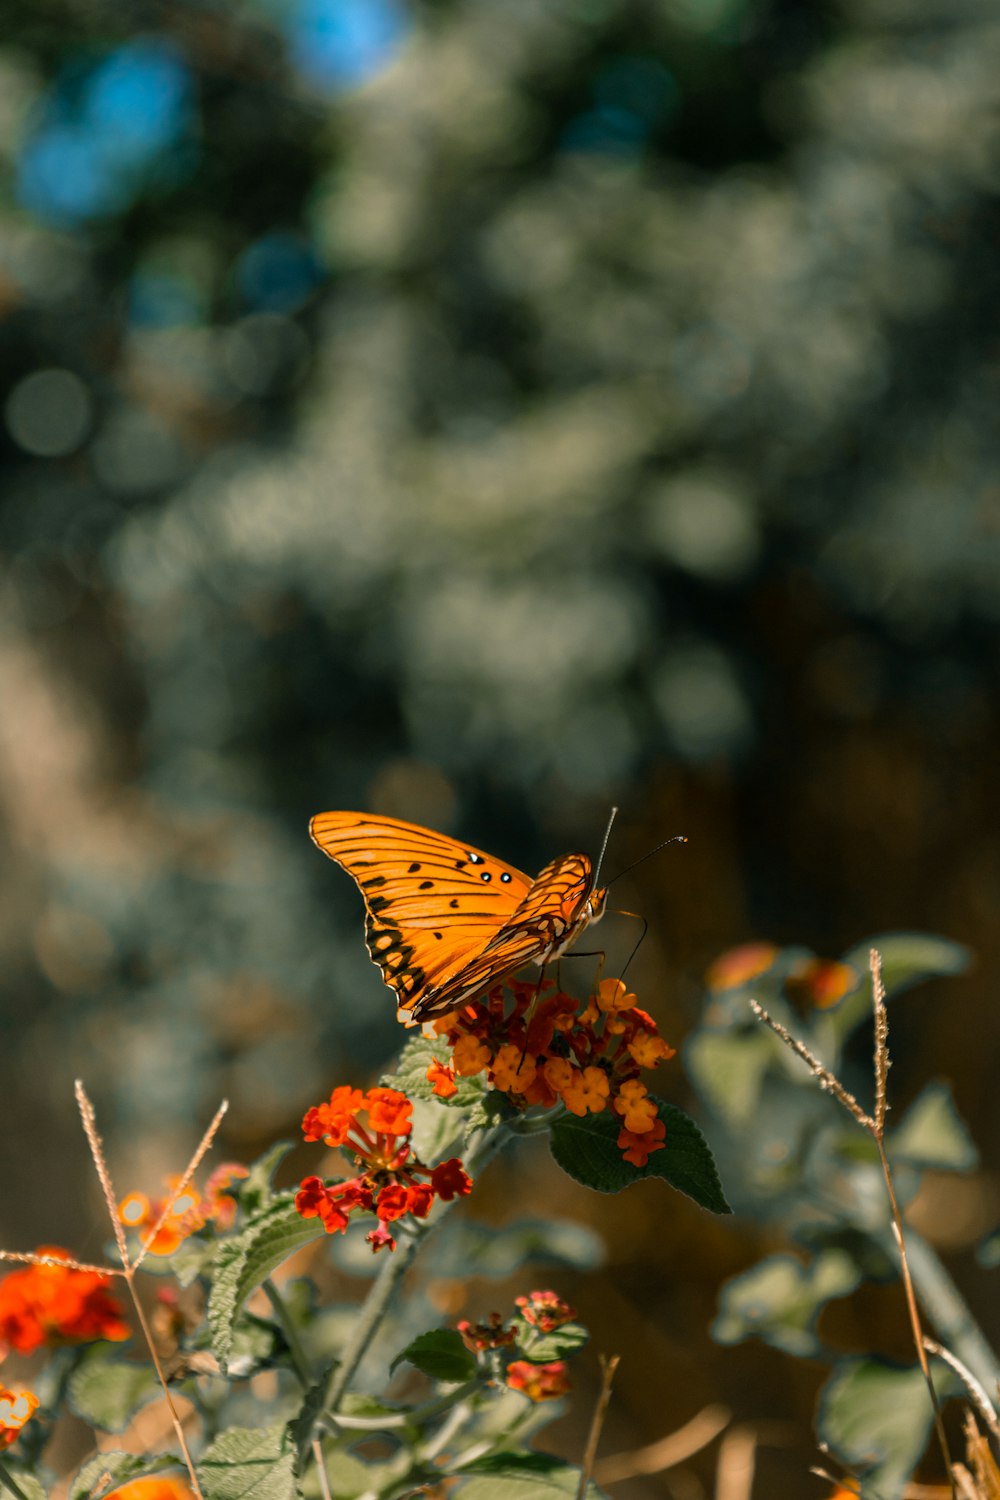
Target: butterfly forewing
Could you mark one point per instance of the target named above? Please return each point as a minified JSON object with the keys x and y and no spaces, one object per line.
{"x":432,"y":903}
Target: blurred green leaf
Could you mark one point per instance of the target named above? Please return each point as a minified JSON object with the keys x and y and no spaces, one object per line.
{"x":908,"y":958}
{"x":876,"y":1418}
{"x":933,"y":1134}
{"x":465,"y":1248}
{"x":988,"y":1250}
{"x":30,"y":1487}
{"x":249,"y":1463}
{"x":780,"y":1299}
{"x":728,"y":1068}
{"x":536,"y":1476}
{"x":255,"y":1191}
{"x":247,"y":1258}
{"x":106,"y":1391}
{"x":587,"y":1149}
{"x":440,"y":1354}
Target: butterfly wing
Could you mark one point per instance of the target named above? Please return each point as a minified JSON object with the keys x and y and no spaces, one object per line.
{"x":433,"y":904}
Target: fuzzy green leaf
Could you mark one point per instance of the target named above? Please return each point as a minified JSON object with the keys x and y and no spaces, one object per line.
{"x":876,"y":1417}
{"x":933,"y":1134}
{"x":780,"y":1299}
{"x":439,"y":1354}
{"x":245,"y":1260}
{"x":524,"y":1476}
{"x":255,"y":1191}
{"x":586,"y":1148}
{"x":559,"y":1344}
{"x":106,"y":1391}
{"x":249,"y":1463}
{"x":410,"y":1075}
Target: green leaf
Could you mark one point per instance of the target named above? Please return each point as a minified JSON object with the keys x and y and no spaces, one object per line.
{"x":106,"y":1391}
{"x":988,"y":1250}
{"x":907,"y":959}
{"x":192,"y":1258}
{"x":29,"y":1486}
{"x":249,"y":1463}
{"x":465,"y":1248}
{"x":876,"y":1417}
{"x":533,"y":1476}
{"x":410,"y":1075}
{"x":586,"y":1148}
{"x":559,"y":1344}
{"x":728,"y":1068}
{"x":246,"y":1259}
{"x":437,"y":1131}
{"x":255,"y":1191}
{"x":780,"y":1299}
{"x":440,"y":1354}
{"x":100,"y":1475}
{"x":932,"y":1133}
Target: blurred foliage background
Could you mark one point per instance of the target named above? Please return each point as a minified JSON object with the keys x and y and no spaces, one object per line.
{"x":482,"y":413}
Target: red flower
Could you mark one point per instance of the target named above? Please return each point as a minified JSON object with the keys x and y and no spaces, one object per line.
{"x":16,"y":1408}
{"x":391,"y":1180}
{"x":538,"y":1382}
{"x":442,"y":1078}
{"x":489,"y":1335}
{"x":545,"y":1310}
{"x":156,"y":1488}
{"x":189,"y":1211}
{"x":46,"y":1304}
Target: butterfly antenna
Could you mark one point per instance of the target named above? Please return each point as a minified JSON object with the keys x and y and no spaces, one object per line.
{"x":642,"y":936}
{"x":678,"y":838}
{"x":604,"y":848}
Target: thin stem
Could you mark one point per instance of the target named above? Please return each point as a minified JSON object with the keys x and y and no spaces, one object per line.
{"x":9,"y":1482}
{"x":827,"y":1080}
{"x":947,"y":1310}
{"x":288,"y":1328}
{"x":320,"y":1461}
{"x":452,"y":1424}
{"x":608,"y":1368}
{"x":189,"y":1172}
{"x":175,"y":1419}
{"x":975,"y":1390}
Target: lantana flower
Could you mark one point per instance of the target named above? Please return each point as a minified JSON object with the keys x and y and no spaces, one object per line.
{"x":545,"y":1310}
{"x":538,"y":1382}
{"x":539,"y":1047}
{"x":493,"y":1334}
{"x":190,"y":1210}
{"x":391,"y":1181}
{"x":16,"y":1408}
{"x":57,"y":1304}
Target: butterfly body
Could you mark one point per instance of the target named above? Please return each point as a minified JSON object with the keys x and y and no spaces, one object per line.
{"x":444,"y":921}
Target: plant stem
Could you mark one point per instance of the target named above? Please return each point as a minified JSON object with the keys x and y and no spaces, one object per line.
{"x":291,"y":1333}
{"x":393,"y":1270}
{"x":947,"y":1310}
{"x":9,"y":1482}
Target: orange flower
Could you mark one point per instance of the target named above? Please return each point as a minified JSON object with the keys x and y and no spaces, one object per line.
{"x":489,"y":1335}
{"x":821,"y":982}
{"x":638,"y":1148}
{"x":638,"y":1109}
{"x":156,"y":1488}
{"x":589,"y":1089}
{"x":470,"y":1056}
{"x":538,"y":1382}
{"x":513,"y":1070}
{"x":738,"y":965}
{"x":649,"y":1049}
{"x":16,"y":1408}
{"x":545,"y":1310}
{"x":189,"y":1211}
{"x":52,"y":1305}
{"x":612,"y":995}
{"x":442,"y":1078}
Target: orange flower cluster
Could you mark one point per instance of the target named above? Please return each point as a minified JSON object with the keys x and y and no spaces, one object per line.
{"x":540,"y":1313}
{"x":189,"y":1211}
{"x":49,"y":1304}
{"x":16,"y":1408}
{"x":814,"y":983}
{"x":552,"y":1051}
{"x":538,"y":1382}
{"x":391,"y":1181}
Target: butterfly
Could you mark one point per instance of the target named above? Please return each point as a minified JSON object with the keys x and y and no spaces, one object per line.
{"x":446,"y":922}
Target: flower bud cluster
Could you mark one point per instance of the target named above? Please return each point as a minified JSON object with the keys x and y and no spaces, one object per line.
{"x":540,"y":1313}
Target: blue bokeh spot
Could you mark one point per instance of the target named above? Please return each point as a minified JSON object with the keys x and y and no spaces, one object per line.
{"x":338,"y":44}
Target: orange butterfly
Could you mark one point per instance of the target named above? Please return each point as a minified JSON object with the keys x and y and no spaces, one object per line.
{"x":446,"y":922}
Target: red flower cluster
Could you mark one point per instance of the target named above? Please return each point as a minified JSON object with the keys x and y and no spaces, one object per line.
{"x":540,"y":1313}
{"x":552,"y":1052}
{"x":814,"y":983}
{"x":493,"y":1334}
{"x":538,"y":1382}
{"x":391,"y":1181}
{"x":189,"y":1212}
{"x":48,"y":1304}
{"x":545,"y":1310}
{"x":16,"y":1408}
